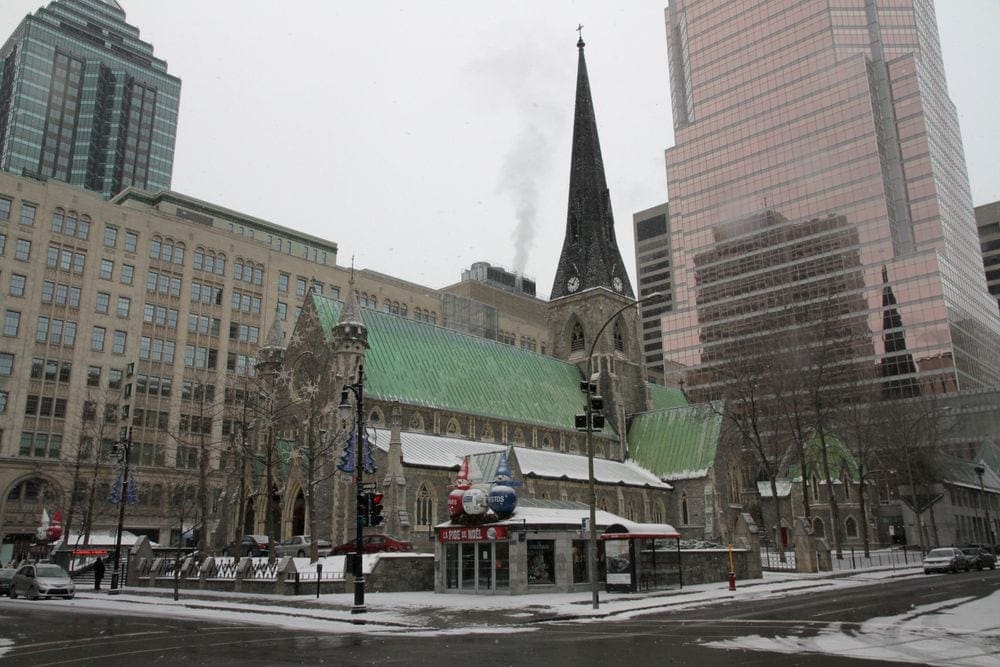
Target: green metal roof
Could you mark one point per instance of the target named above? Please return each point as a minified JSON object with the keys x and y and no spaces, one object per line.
{"x":664,"y":398}
{"x":424,"y":365}
{"x":838,"y":454}
{"x":676,"y":444}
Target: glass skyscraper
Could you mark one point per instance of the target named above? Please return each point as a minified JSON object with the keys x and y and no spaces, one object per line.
{"x":83,"y":100}
{"x":787,"y":115}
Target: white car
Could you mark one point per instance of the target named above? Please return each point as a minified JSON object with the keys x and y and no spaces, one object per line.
{"x":37,"y":580}
{"x":300,"y":545}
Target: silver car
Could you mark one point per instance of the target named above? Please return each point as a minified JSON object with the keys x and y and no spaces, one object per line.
{"x":299,"y":545}
{"x":36,"y":580}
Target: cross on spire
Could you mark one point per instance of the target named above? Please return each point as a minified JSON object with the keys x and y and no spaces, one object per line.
{"x":579,"y":29}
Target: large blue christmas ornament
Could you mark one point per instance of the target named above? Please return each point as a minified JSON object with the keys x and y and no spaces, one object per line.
{"x":502,"y":500}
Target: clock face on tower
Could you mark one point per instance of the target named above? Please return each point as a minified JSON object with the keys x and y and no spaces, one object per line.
{"x":573,"y":284}
{"x":616,"y":282}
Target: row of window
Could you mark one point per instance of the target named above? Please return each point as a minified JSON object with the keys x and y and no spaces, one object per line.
{"x":50,"y":370}
{"x":45,"y":406}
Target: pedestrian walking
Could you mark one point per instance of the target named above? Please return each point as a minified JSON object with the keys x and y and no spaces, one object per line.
{"x":98,"y":573}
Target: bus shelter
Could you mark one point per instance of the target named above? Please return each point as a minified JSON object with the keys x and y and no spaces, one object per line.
{"x":642,"y":557}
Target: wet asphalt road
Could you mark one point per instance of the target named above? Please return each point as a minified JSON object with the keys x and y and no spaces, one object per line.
{"x":37,"y":633}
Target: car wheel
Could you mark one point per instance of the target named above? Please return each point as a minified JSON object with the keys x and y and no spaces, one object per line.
{"x":301,"y":554}
{"x":954,"y":569}
{"x":12,"y":593}
{"x":32,"y":594}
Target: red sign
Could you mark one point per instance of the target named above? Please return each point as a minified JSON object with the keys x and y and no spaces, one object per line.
{"x":472,"y":533}
{"x":90,"y":552}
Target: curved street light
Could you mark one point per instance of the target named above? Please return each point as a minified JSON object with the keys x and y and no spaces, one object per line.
{"x":590,"y":443}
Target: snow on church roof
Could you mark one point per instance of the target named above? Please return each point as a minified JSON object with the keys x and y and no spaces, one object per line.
{"x":435,"y":451}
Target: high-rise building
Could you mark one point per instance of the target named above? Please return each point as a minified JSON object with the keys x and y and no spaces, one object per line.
{"x":83,"y":100}
{"x":804,"y":112}
{"x":988,"y":223}
{"x":652,"y":267}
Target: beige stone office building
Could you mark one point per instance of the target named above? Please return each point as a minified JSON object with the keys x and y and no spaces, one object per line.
{"x":184,"y":290}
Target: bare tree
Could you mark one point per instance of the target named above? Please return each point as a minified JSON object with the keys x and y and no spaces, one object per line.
{"x":742,"y":382}
{"x":184,"y":506}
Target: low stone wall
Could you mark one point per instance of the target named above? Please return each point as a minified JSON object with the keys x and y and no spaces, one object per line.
{"x":402,"y":573}
{"x":705,"y":566}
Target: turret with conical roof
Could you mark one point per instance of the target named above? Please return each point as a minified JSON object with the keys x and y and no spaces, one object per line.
{"x":590,"y":256}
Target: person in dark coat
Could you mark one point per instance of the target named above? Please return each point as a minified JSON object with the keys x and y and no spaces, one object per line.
{"x":98,"y":573}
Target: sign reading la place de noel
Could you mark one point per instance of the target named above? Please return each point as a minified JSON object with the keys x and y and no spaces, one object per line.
{"x":473,"y":533}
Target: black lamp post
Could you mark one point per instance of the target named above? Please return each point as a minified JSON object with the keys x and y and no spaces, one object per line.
{"x":588,"y":387}
{"x":980,"y":470}
{"x":358,"y":389}
{"x":123,"y":450}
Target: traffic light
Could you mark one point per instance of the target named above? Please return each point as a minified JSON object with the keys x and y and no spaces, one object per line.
{"x":596,"y":408}
{"x":375,"y":517}
{"x":364,"y":509}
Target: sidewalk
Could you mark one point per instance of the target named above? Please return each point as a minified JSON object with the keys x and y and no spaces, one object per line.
{"x":436,"y":612}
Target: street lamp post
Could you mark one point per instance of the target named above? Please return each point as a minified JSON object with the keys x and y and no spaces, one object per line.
{"x":595,"y":598}
{"x":358,"y":389}
{"x":980,"y":470}
{"x":123,"y":451}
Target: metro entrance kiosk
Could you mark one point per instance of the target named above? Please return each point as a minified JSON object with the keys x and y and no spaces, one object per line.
{"x":543,"y":546}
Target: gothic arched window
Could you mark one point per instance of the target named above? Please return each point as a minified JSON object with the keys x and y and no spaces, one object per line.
{"x":619,"y":337}
{"x":425,"y":506}
{"x":576,"y":342}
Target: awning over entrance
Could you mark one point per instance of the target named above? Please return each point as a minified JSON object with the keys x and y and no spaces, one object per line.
{"x":629,"y":530}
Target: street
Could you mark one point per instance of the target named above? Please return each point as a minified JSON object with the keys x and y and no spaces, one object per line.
{"x":836,"y":627}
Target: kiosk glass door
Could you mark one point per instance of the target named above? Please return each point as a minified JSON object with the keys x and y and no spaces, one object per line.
{"x":477,"y":567}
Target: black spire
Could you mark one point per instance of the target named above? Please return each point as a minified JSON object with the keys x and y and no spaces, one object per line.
{"x":590,"y":256}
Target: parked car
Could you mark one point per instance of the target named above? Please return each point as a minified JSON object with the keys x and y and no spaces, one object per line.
{"x":946,"y":559}
{"x":35,"y":580}
{"x":5,"y":576}
{"x":980,"y":558}
{"x":250,"y":545}
{"x":299,"y":546}
{"x":372,"y":544}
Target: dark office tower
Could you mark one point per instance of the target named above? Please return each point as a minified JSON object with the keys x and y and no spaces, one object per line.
{"x":816,"y":109}
{"x":652,"y":265}
{"x":83,"y":100}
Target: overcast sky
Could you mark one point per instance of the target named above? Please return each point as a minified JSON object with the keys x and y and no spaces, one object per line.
{"x":425,"y":136}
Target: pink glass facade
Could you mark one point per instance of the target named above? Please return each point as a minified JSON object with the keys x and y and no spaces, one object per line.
{"x":813,"y":109}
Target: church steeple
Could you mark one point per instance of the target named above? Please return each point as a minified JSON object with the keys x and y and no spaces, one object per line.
{"x":590,"y":256}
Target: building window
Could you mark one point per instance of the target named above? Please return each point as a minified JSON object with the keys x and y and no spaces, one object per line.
{"x":541,"y":562}
{"x":283,"y":279}
{"x":118,"y":346}
{"x":819,"y":529}
{"x":300,"y":286}
{"x":17,"y":282}
{"x":128,"y":274}
{"x":5,"y":208}
{"x":131,"y":241}
{"x":685,"y":520}
{"x":110,"y":236}
{"x":22,"y":250}
{"x":576,"y":343}
{"x":93,"y":376}
{"x":28,"y":214}
{"x":3,"y":402}
{"x":425,"y":507}
{"x":6,"y":363}
{"x":619,"y":338}
{"x":851,"y":527}
{"x":11,"y":322}
{"x":102,"y":302}
{"x":282,"y":310}
{"x":124,"y":304}
{"x":97,"y":339}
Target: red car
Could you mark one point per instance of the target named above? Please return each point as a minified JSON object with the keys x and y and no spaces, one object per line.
{"x":372,"y":544}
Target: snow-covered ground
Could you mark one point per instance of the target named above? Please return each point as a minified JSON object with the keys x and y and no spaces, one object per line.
{"x":960,"y":632}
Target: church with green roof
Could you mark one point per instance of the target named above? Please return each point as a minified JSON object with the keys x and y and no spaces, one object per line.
{"x":432,"y":397}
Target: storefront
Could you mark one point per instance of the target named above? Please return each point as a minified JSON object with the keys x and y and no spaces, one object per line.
{"x":542,"y":547}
